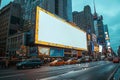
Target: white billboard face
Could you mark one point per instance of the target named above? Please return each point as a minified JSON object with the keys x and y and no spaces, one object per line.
{"x":53,"y":31}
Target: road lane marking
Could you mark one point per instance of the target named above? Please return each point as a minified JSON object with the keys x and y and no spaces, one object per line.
{"x":82,"y":66}
{"x":70,"y":72}
{"x":65,"y":74}
{"x":12,"y":76}
{"x":112,"y":74}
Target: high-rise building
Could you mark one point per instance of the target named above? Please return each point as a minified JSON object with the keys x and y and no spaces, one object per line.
{"x":84,"y":19}
{"x":9,"y":23}
{"x":107,"y":37}
{"x":106,"y":29}
{"x":62,"y":8}
{"x":99,"y":27}
{"x":101,"y":33}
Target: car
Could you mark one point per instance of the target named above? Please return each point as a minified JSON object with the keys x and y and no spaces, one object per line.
{"x":29,"y":63}
{"x":87,"y":59}
{"x":116,"y":60}
{"x":71,"y":61}
{"x":79,"y":60}
{"x":102,"y":57}
{"x":57,"y":62}
{"x":110,"y":58}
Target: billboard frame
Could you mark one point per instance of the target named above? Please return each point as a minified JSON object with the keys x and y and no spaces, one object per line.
{"x":36,"y":41}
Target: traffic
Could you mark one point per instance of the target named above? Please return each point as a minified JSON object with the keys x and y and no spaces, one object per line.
{"x":37,"y":62}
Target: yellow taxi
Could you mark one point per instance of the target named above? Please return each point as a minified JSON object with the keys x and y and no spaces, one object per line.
{"x":57,"y":62}
{"x":71,"y":61}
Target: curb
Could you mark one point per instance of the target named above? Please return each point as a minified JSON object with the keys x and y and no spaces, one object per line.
{"x":112,"y":75}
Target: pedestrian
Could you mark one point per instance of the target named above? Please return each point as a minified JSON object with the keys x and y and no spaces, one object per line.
{"x":6,"y":63}
{"x":2,"y":64}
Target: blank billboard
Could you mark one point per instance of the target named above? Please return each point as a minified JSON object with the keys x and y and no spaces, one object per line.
{"x":53,"y":31}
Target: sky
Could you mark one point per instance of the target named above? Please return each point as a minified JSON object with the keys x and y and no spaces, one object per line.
{"x":110,"y":9}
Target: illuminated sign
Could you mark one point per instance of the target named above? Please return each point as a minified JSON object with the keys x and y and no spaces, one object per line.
{"x":43,"y":51}
{"x":55,"y":52}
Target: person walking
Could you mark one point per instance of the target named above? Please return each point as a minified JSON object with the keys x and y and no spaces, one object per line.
{"x":3,"y":64}
{"x":6,"y":63}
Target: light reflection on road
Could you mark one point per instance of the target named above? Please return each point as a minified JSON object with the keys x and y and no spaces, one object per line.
{"x":117,"y":75}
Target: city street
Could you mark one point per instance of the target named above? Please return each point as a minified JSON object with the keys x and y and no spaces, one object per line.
{"x":101,"y":70}
{"x":117,"y":75}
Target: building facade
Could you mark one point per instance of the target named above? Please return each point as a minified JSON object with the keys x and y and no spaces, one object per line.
{"x":107,"y":37}
{"x":62,"y":8}
{"x":15,"y":44}
{"x":9,"y":21}
{"x":84,"y":19}
{"x":101,"y":32}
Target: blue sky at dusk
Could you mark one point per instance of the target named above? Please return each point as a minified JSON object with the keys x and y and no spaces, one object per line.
{"x":110,"y":9}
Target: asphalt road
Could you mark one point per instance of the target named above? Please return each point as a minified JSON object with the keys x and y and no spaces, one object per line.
{"x":117,"y":74}
{"x":101,"y":70}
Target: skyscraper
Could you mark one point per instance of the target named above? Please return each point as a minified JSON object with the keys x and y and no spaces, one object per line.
{"x":101,"y":36}
{"x":99,"y":27}
{"x":62,"y":8}
{"x":107,"y":37}
{"x":84,"y":19}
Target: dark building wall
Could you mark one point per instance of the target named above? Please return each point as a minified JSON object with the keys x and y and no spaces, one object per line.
{"x":101,"y":32}
{"x":8,"y":17}
{"x":84,"y":19}
{"x":62,"y":8}
{"x":15,"y":17}
{"x":4,"y":25}
{"x":106,"y":29}
{"x":89,"y":18}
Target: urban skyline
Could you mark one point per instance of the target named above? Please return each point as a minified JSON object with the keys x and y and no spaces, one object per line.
{"x":110,"y":15}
